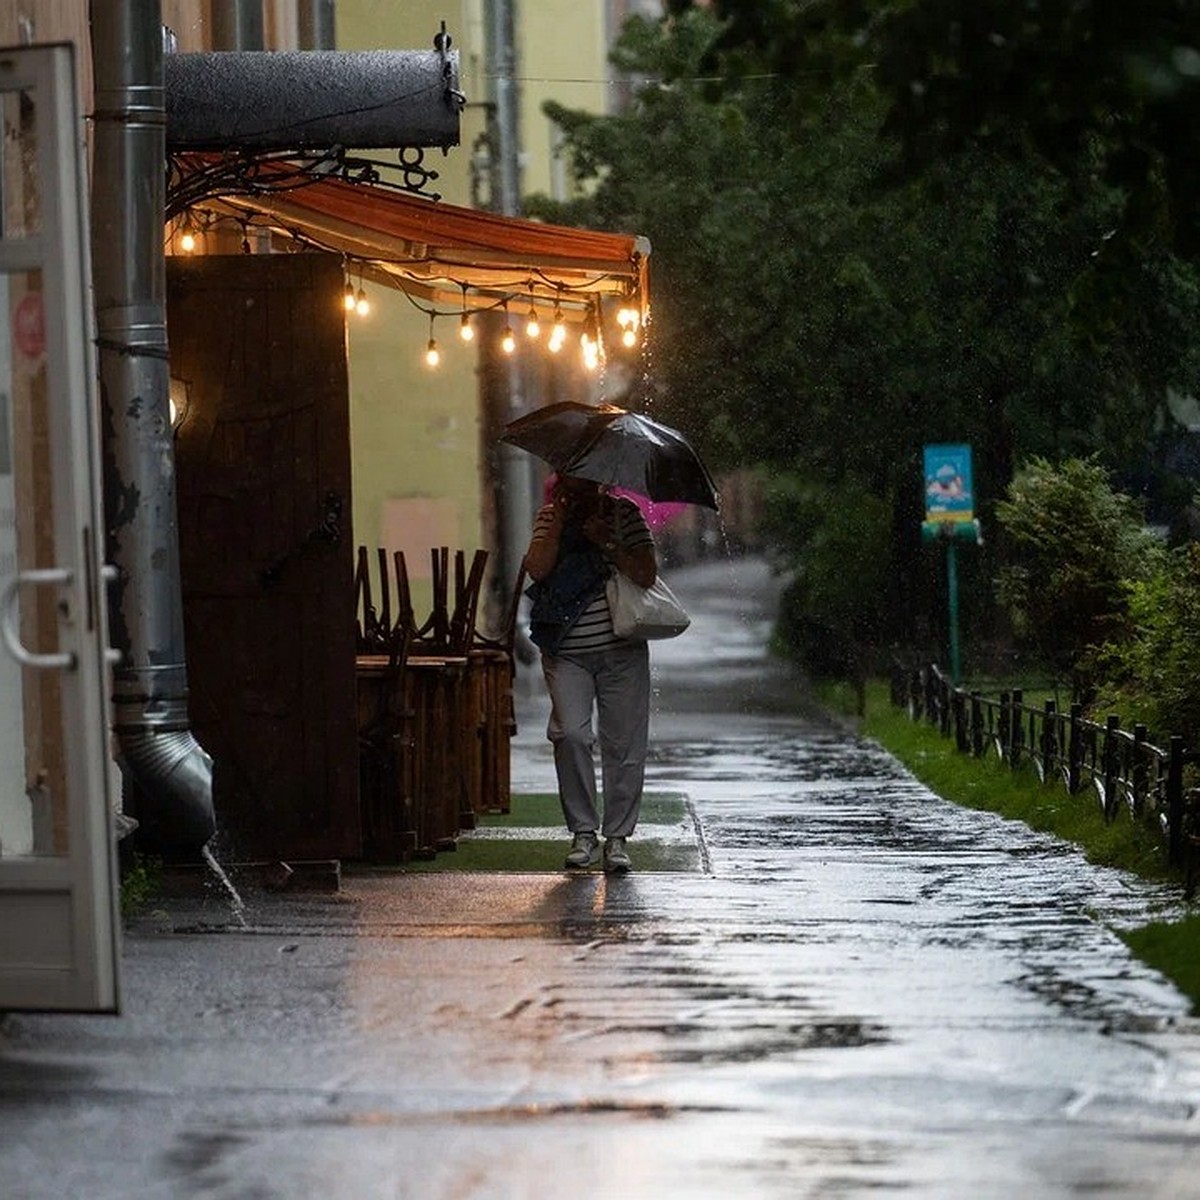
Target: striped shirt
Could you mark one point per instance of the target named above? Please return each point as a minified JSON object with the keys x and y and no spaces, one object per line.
{"x":593,"y":631}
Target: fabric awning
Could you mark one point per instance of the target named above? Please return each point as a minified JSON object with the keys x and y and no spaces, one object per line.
{"x":446,"y":254}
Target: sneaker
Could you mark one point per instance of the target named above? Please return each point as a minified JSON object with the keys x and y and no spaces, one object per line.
{"x":616,"y":858}
{"x":584,"y":852}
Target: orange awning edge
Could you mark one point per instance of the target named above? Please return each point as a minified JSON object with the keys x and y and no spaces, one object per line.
{"x":435,"y":249}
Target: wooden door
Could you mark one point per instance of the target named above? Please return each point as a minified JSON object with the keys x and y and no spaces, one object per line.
{"x":259,"y":382}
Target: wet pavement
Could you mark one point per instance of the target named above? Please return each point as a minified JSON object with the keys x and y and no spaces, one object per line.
{"x":867,"y":991}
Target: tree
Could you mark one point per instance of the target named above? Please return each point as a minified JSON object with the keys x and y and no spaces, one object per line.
{"x":826,"y":299}
{"x":1092,"y":87}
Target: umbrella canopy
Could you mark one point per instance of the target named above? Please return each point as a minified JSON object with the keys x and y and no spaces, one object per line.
{"x":614,"y":446}
{"x":658,"y":513}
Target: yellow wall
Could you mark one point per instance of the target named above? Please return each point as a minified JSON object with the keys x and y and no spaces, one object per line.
{"x":562,"y":55}
{"x":415,"y":438}
{"x":416,"y":433}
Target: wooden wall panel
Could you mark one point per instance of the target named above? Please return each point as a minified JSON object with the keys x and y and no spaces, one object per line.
{"x":268,"y":609}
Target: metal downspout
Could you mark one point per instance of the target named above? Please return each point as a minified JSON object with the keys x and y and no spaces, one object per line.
{"x":237,"y":25}
{"x":316,"y":25}
{"x":167,"y":771}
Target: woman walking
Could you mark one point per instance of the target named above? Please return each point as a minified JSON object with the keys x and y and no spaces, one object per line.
{"x":580,"y":536}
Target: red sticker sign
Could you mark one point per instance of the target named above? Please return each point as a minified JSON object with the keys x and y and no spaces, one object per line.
{"x":29,"y":325}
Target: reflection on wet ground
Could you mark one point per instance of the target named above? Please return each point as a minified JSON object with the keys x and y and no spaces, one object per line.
{"x":869,"y":990}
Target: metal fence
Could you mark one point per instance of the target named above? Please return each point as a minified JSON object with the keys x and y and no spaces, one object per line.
{"x":1125,"y":773}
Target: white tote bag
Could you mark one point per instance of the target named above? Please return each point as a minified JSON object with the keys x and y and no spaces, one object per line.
{"x":643,"y":614}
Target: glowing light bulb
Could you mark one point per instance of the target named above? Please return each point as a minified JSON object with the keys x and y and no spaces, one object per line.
{"x":348,"y":298}
{"x":508,"y":343}
{"x":362,"y":305}
{"x":188,"y":242}
{"x":532,"y":328}
{"x":591,"y":352}
{"x":466,"y":330}
{"x":558,"y":332}
{"x":629,"y":337}
{"x":433,"y":355}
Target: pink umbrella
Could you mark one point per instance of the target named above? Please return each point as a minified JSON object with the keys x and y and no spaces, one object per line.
{"x":657,"y":512}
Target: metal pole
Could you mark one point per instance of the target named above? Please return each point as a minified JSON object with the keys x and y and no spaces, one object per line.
{"x":506,"y":98}
{"x":315,"y":22}
{"x":516,"y":468}
{"x":952,"y":599}
{"x":237,"y":24}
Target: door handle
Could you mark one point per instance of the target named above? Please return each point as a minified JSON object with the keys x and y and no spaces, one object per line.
{"x":327,"y":533}
{"x":109,"y":574}
{"x":8,"y":617}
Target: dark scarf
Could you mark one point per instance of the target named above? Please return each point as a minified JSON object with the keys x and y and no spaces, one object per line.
{"x":578,"y":578}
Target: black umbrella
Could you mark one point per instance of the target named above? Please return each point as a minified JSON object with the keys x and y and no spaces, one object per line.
{"x":614,"y":446}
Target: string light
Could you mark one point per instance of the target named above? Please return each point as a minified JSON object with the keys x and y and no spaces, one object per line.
{"x":466,"y":330}
{"x":533,"y":329}
{"x":591,"y":351}
{"x":558,"y":334}
{"x":629,"y":320}
{"x":188,"y":241}
{"x":589,"y":341}
{"x":508,"y":343}
{"x":432,"y":354}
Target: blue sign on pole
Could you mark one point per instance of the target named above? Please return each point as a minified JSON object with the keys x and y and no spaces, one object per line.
{"x":949,"y":494}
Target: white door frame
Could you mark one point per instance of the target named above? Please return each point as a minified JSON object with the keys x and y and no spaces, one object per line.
{"x":59,"y":918}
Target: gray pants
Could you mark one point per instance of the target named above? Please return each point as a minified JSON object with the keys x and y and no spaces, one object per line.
{"x":616,"y":685}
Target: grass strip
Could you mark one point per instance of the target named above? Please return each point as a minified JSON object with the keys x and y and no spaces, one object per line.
{"x":991,"y":785}
{"x":538,"y":855}
{"x":543,"y":809}
{"x":1170,"y":947}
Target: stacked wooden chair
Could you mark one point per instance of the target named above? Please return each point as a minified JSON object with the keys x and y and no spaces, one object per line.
{"x":386,"y":720}
{"x":436,"y":715}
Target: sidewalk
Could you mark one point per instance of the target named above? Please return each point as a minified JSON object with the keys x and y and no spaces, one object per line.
{"x":867,"y":990}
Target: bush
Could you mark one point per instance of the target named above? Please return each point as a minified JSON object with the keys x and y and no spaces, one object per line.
{"x":1073,"y":546}
{"x":1153,"y":675}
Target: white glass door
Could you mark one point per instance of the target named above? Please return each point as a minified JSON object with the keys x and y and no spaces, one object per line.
{"x":59,"y":926}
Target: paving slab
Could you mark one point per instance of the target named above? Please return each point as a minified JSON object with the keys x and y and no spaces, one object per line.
{"x":865,"y":991}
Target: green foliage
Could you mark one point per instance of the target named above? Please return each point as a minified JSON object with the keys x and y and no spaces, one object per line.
{"x":140,"y":882}
{"x":835,"y":543}
{"x":1153,"y":673}
{"x":1170,"y":947}
{"x":1099,"y":90}
{"x":527,"y":848}
{"x":842,"y":274}
{"x":1073,"y":543}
